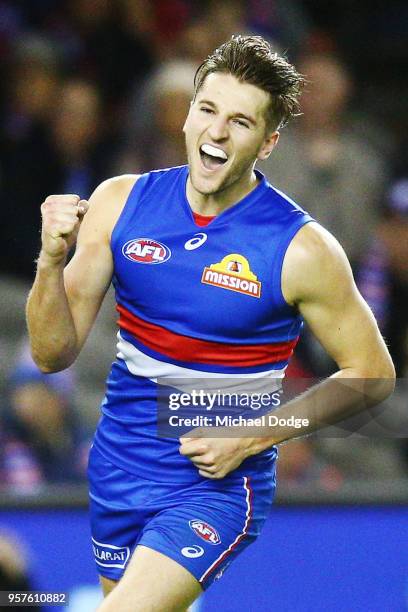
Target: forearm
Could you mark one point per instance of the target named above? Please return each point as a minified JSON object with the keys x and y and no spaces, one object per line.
{"x":51,"y":327}
{"x":341,"y":396}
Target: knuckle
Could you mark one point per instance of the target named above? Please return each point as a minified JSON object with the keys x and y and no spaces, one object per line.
{"x":59,"y":200}
{"x":45,"y":207}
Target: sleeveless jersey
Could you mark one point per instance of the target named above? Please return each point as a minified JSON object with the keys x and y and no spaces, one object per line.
{"x":193,"y":301}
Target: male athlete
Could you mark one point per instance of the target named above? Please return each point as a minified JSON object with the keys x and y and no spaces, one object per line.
{"x":226,"y":299}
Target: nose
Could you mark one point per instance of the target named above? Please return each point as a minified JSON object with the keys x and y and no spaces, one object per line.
{"x":218,"y":130}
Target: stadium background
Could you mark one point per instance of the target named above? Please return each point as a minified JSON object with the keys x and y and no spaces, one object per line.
{"x":93,"y":88}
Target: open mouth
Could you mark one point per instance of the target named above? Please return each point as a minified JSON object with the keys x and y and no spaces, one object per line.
{"x":212,"y":158}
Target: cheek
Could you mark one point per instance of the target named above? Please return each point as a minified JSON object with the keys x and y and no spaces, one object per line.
{"x":247,"y":148}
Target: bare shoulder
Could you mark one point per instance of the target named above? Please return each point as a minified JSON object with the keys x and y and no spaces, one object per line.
{"x":314,"y":263}
{"x":107,"y":202}
{"x":117,"y":185}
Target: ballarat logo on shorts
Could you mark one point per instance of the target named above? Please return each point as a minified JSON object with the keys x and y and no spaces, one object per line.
{"x":146,"y":251}
{"x":232,"y":273}
{"x":108,"y":555}
{"x":205,"y":531}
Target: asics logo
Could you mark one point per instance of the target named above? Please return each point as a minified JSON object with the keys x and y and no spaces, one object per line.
{"x":192,"y":552}
{"x":196,"y":241}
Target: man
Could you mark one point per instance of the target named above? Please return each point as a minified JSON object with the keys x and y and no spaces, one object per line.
{"x":224,"y":301}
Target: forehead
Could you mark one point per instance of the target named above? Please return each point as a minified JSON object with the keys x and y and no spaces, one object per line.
{"x":229,"y":94}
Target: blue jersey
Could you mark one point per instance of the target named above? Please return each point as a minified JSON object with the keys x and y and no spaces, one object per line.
{"x":193,"y":302}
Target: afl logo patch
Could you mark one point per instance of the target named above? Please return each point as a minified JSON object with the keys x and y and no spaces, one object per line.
{"x":205,"y":531}
{"x":146,"y":251}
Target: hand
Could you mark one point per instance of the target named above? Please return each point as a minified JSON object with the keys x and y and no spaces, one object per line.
{"x":62,"y":216}
{"x":215,"y":457}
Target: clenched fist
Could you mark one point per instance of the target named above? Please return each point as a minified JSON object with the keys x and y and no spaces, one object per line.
{"x":61,"y":218}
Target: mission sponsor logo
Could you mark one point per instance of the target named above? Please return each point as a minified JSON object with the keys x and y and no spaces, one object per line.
{"x":146,"y":251}
{"x":108,"y":555}
{"x":205,"y":531}
{"x":233,"y":273}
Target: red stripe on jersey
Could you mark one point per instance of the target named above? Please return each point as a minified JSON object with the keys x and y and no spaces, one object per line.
{"x":194,"y":350}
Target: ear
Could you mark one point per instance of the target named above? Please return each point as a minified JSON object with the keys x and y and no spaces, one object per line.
{"x":268,"y":146}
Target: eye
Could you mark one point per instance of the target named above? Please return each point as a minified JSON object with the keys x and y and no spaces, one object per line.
{"x":207,"y":110}
{"x":241,"y":123}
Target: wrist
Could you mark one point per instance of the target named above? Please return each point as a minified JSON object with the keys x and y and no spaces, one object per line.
{"x":254,"y":446}
{"x":45,"y":260}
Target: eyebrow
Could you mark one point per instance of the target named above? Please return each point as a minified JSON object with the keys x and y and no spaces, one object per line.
{"x":237,"y":114}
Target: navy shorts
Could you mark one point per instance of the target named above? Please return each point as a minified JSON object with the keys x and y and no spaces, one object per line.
{"x":201,"y":526}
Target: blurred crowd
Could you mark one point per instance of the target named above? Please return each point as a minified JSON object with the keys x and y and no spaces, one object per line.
{"x":94,"y":88}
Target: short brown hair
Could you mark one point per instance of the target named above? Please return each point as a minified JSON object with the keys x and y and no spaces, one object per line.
{"x":251,"y":59}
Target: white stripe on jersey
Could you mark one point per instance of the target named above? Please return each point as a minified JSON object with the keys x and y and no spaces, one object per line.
{"x":140,"y":364}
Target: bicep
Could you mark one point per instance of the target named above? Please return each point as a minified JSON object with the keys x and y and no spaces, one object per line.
{"x":88,"y":274}
{"x":87,"y":278}
{"x":346,"y":328}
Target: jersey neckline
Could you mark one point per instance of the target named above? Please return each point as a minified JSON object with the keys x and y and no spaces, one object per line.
{"x":202,"y":220}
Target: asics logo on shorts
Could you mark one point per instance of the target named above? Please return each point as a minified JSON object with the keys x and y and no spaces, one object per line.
{"x":192,"y":552}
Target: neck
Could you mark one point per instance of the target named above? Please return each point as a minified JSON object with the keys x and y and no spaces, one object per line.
{"x":215,"y":203}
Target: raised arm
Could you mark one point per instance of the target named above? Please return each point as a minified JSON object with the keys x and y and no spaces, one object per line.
{"x":64,"y":300}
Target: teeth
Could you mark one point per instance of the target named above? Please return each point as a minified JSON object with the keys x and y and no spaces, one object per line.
{"x":214,"y":151}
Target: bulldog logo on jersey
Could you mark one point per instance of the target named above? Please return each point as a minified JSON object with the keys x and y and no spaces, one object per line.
{"x":146,"y":251}
{"x":233,"y":273}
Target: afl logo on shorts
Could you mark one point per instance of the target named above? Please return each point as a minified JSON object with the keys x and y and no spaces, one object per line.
{"x":146,"y":251}
{"x":205,"y":531}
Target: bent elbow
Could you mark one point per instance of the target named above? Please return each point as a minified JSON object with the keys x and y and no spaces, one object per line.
{"x":384,"y":379}
{"x":390,"y":379}
{"x":386,"y":387}
{"x":49,"y":365}
{"x":389,"y":375}
{"x":48,"y":369}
